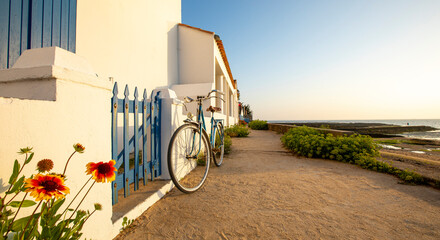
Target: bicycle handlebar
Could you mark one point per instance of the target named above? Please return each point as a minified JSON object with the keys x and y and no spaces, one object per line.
{"x":215,"y":91}
{"x":215,"y":97}
{"x":188,"y":99}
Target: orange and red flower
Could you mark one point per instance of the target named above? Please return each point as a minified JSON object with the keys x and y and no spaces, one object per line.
{"x":102,"y":171}
{"x":44,"y":187}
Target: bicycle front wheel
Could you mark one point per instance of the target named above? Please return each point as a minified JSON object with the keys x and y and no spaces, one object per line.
{"x":219,"y":145}
{"x":189,"y":156}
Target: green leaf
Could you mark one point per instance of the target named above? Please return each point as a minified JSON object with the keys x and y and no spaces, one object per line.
{"x":54,"y":219}
{"x":17,"y":185}
{"x":74,"y":229}
{"x":26,"y":203}
{"x":3,"y":228}
{"x":45,"y":233}
{"x":29,"y":158}
{"x":14,"y":172}
{"x":16,"y":236}
{"x":30,"y":232}
{"x":58,"y":203}
{"x":19,"y":224}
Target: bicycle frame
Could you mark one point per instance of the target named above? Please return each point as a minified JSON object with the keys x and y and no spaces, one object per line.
{"x":202,"y":126}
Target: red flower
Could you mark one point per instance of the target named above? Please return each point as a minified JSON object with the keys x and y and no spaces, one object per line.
{"x":102,"y":171}
{"x":44,"y":187}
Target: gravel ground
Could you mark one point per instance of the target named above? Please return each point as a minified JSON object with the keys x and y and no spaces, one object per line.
{"x":262,"y":191}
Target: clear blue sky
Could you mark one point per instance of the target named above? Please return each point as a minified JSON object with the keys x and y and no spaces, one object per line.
{"x":325,"y":60}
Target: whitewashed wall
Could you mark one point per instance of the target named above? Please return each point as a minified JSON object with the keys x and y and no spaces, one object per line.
{"x":77,"y":111}
{"x":196,"y":56}
{"x":71,"y":105}
{"x":134,"y":41}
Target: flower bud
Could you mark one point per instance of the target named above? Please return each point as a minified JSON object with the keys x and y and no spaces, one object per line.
{"x":25,"y":150}
{"x":79,"y":148}
{"x":98,"y":206}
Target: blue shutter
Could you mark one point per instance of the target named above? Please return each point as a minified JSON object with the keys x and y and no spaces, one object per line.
{"x":26,"y":24}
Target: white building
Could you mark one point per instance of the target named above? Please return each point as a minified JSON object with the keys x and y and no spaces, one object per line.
{"x":59,"y":92}
{"x":203,"y":66}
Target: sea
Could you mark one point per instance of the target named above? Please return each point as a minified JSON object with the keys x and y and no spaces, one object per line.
{"x":435,"y":123}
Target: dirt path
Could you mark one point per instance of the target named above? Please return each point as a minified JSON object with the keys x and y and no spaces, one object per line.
{"x":263,"y":192}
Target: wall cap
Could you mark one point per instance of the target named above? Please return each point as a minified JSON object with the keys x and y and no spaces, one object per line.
{"x":53,"y":56}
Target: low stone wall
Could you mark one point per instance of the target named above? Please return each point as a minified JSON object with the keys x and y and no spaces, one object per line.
{"x":283,"y":128}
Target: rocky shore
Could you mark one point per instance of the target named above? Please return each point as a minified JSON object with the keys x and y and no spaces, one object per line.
{"x":371,"y":129}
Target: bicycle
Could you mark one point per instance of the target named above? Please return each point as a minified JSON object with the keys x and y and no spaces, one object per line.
{"x":190,"y":149}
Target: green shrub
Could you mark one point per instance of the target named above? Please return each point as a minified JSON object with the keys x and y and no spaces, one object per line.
{"x":410,"y":176}
{"x":313,"y":143}
{"x":237,"y":131}
{"x":201,"y":159}
{"x":355,"y":149}
{"x":228,"y":144}
{"x":258,"y":125}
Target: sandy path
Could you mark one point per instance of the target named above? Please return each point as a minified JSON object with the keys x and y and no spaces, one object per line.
{"x":263,"y":192}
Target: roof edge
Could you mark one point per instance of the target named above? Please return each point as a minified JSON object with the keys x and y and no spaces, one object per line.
{"x":225,"y":60}
{"x":202,"y":30}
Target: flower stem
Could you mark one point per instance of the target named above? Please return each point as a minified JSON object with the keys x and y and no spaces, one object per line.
{"x":42,"y":209}
{"x":76,"y":196}
{"x":19,"y":207}
{"x":12,"y":198}
{"x":68,"y":160}
{"x":88,"y":218}
{"x":67,"y":222}
{"x":82,"y":200}
{"x":30,"y":219}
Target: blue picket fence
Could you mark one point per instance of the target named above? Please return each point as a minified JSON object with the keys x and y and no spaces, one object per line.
{"x":132,"y":161}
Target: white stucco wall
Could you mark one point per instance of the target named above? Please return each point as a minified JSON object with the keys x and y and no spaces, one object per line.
{"x":134,"y":42}
{"x":196,"y":56}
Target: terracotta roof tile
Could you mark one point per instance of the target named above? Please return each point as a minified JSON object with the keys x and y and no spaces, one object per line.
{"x":181,"y":24}
{"x":225,"y":60}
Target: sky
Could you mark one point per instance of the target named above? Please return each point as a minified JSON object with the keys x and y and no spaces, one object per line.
{"x":329,"y":60}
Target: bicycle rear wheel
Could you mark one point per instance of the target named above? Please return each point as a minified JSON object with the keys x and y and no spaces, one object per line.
{"x":219,"y":146}
{"x":189,"y":156}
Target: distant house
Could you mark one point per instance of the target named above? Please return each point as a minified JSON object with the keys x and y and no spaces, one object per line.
{"x":59,"y":60}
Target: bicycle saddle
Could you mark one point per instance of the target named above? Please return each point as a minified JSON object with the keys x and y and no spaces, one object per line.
{"x":213,"y":109}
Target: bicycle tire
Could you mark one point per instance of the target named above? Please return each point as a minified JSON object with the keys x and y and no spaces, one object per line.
{"x":219,"y":146}
{"x":186,"y":169}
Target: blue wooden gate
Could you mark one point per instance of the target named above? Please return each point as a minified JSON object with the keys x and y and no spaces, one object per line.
{"x":149,"y":110}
